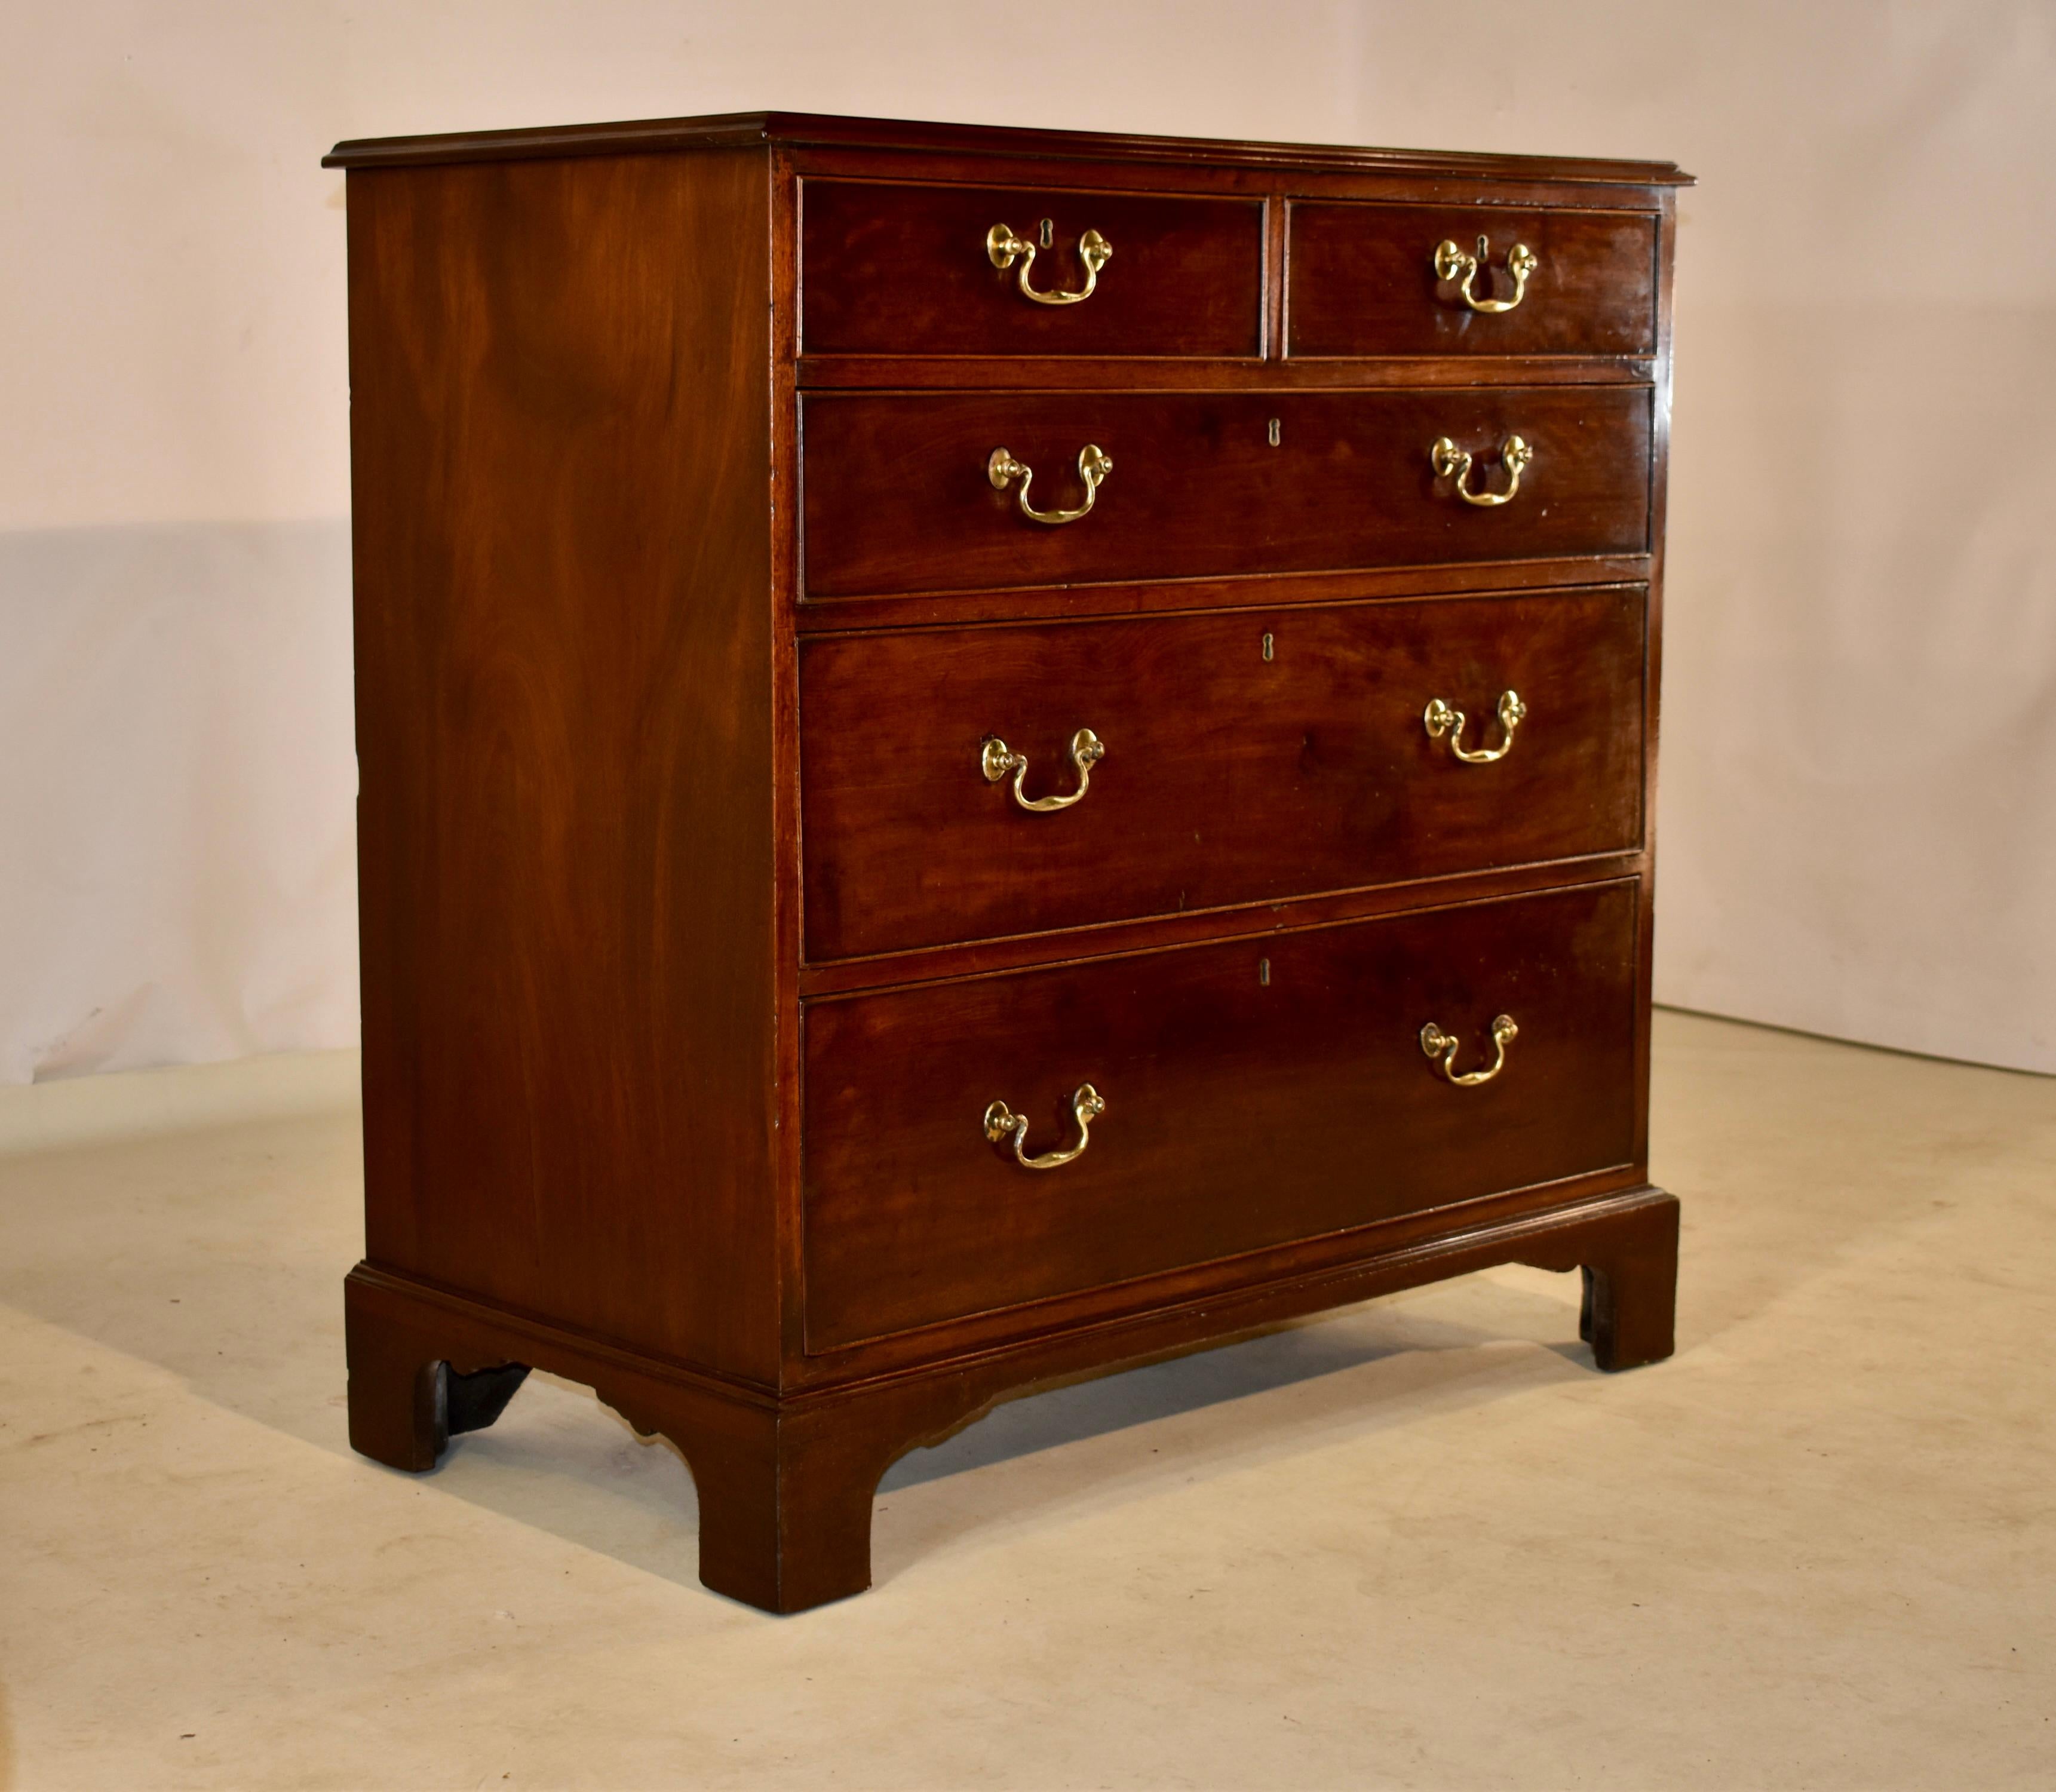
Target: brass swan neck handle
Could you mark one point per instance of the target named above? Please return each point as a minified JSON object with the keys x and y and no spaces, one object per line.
{"x":1005,"y":250}
{"x":1453,"y":266}
{"x":1451,"y":462}
{"x":996,"y":759}
{"x":1442,"y":1047}
{"x":1087,"y":1105}
{"x":1439,"y":719}
{"x":1094,"y":463}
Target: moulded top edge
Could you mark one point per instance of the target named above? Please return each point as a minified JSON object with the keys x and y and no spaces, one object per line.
{"x":759,"y":129}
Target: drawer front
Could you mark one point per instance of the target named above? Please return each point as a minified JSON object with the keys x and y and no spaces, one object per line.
{"x":1239,"y":1113}
{"x":1363,"y":280}
{"x":1227,"y":777}
{"x":898,"y":270}
{"x":900,"y":493}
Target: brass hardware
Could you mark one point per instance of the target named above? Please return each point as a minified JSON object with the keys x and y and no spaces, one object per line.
{"x":1045,"y":233}
{"x":1442,"y":1047}
{"x":1439,"y":719}
{"x":996,"y":759}
{"x":1094,"y":465}
{"x":1451,"y":462}
{"x":1277,"y":424}
{"x":1453,"y":264}
{"x":1264,"y":971}
{"x":1003,"y":248}
{"x":1267,"y":648}
{"x":1087,"y":1105}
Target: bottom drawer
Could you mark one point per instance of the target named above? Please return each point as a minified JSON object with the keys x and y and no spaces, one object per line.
{"x":1256,"y":1091}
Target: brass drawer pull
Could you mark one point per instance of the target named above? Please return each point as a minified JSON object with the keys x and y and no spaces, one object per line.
{"x":1451,"y":462}
{"x":1453,"y":264}
{"x":1087,"y":1105}
{"x":1003,"y":248}
{"x":1442,"y":1047}
{"x":1094,"y":465}
{"x":1439,"y":719}
{"x":996,"y":759}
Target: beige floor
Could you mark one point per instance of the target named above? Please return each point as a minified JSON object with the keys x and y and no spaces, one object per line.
{"x":1420,"y":1544}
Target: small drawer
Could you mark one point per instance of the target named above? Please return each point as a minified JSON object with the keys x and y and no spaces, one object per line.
{"x":910,"y":493}
{"x":1229,"y":758}
{"x":1254,"y":1093}
{"x":900,"y":270}
{"x":1366,"y":280}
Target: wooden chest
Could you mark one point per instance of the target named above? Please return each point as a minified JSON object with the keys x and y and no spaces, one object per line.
{"x":986,"y":754}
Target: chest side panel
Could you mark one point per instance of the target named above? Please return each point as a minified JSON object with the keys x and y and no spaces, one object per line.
{"x":560,"y":443}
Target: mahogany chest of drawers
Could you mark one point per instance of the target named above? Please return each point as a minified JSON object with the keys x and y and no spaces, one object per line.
{"x":985,"y":754}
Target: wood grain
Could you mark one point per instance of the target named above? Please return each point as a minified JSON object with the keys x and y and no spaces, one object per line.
{"x":897,"y":499}
{"x":785,"y":1486}
{"x":891,"y":269}
{"x":559,"y":435}
{"x":1229,"y":777}
{"x":1361,"y":281}
{"x":978,"y":142}
{"x":1241,"y":1112}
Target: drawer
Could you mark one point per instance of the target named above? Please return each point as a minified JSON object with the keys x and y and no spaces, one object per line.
{"x":1239,"y":1113}
{"x":1364,"y":280}
{"x":901,"y":270}
{"x":899,"y":491}
{"x":1228,"y":776}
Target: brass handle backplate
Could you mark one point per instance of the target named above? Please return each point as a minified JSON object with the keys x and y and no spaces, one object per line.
{"x":1094,"y":465}
{"x":996,"y":759}
{"x":1006,"y":250}
{"x":1442,"y":1047}
{"x":1452,"y":265}
{"x":1451,"y":462}
{"x":1087,"y":1105}
{"x":1439,"y":719}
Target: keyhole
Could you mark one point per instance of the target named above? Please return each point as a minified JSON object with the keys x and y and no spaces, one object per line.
{"x":1049,"y":233}
{"x":1267,"y":649}
{"x":1275,"y":422}
{"x":1264,"y":971}
{"x":1484,"y":243}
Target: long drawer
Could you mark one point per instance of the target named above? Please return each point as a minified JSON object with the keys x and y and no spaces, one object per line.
{"x":908,"y":492}
{"x":1240,"y":757}
{"x":912,"y":270}
{"x":1253,"y":1092}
